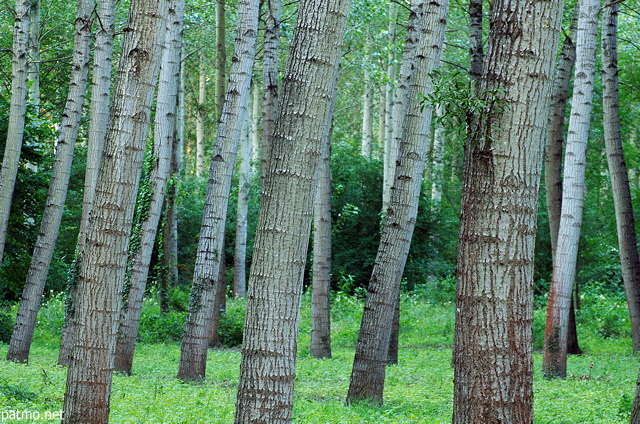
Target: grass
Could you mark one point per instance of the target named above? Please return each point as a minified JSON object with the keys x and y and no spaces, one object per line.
{"x":418,"y":390}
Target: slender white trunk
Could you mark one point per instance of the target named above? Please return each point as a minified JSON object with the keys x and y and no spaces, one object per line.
{"x":221,"y":57}
{"x":437,"y":169}
{"x":34,"y":56}
{"x":17,"y":110}
{"x":389,"y":148}
{"x":198,"y":325}
{"x":255,"y":129}
{"x":367,"y":104}
{"x":200,"y":114}
{"x":270,"y":77}
{"x":58,"y":185}
{"x":98,"y":121}
{"x":564,"y":269}
{"x":164,"y":132}
{"x":244,"y":175}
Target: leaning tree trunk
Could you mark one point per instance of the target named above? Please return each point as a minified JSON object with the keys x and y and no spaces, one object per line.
{"x":98,"y":120}
{"x":221,"y":58}
{"x":152,"y":198}
{"x":58,"y":185}
{"x":627,"y":241}
{"x":267,"y":370}
{"x":493,"y":347}
{"x":34,"y":56}
{"x":17,"y":111}
{"x":270,"y":77}
{"x":193,"y":354}
{"x":388,"y":107}
{"x":320,"y":346}
{"x":102,"y":271}
{"x":427,"y":23}
{"x":553,"y":157}
{"x":242,"y":215}
{"x":564,"y":269}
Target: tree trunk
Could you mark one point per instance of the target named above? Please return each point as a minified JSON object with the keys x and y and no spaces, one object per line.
{"x":426,"y":23}
{"x":564,"y":269}
{"x":33,"y":76}
{"x":98,"y":120}
{"x":18,"y":108}
{"x":152,"y":196}
{"x":242,"y":216}
{"x":197,"y":329}
{"x":221,"y":58}
{"x":388,"y":109}
{"x":255,"y":127}
{"x":493,"y":347}
{"x":367,"y":104}
{"x":58,"y":185}
{"x":201,"y":113}
{"x":267,"y":370}
{"x":394,"y":336}
{"x":627,"y":241}
{"x":220,"y":303}
{"x":321,"y":281}
{"x":437,"y":171}
{"x":103,"y":269}
{"x":476,"y":49}
{"x":270,"y":77}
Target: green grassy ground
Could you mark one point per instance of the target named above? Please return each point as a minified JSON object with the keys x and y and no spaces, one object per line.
{"x":418,"y":390}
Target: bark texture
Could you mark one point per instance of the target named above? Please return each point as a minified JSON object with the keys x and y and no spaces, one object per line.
{"x":242,"y":215}
{"x":153,"y":195}
{"x":267,"y":371}
{"x":17,"y":110}
{"x":270,"y":77}
{"x":427,"y":23}
{"x":564,"y":269}
{"x":493,"y":358}
{"x":98,"y":121}
{"x":625,"y":221}
{"x":193,"y":353}
{"x":102,"y":271}
{"x":58,"y":184}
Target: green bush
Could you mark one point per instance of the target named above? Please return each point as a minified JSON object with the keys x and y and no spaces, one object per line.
{"x":231,"y":326}
{"x":159,"y":328}
{"x":6,"y":326}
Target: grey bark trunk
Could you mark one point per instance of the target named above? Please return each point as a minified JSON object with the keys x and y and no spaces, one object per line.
{"x":221,"y":57}
{"x":564,"y":269}
{"x":321,"y":281}
{"x":388,"y":109}
{"x":367,"y":105}
{"x":34,"y":56}
{"x":267,"y":370}
{"x":625,"y":222}
{"x":427,"y":23}
{"x":58,"y":185}
{"x":102,"y":271}
{"x":164,"y":132}
{"x":270,"y":77}
{"x":242,"y":215}
{"x":17,"y":110}
{"x":98,"y":120}
{"x":493,"y":347}
{"x":198,"y":325}
{"x":200,"y":114}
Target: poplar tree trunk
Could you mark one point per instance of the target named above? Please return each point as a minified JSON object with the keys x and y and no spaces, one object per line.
{"x":476,"y":49}
{"x":493,"y":347}
{"x":388,"y":109}
{"x":142,"y":245}
{"x":240,"y":256}
{"x":367,"y":104}
{"x":198,"y":325}
{"x":33,"y":75}
{"x":270,"y":77}
{"x":59,"y":182}
{"x":627,"y":241}
{"x":255,"y":128}
{"x":564,"y":269}
{"x":200,"y":114}
{"x":267,"y":370}
{"x":427,"y":24}
{"x":437,"y":171}
{"x":321,"y":281}
{"x":102,"y":271}
{"x":17,"y":110}
{"x":221,"y":57}
{"x":98,"y":121}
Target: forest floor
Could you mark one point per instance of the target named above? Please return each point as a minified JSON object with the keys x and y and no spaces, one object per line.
{"x":419,"y":389}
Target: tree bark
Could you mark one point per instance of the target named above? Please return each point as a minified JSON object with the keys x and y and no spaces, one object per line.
{"x":564,"y":269}
{"x":493,"y":347}
{"x":142,"y":247}
{"x":321,"y":280}
{"x":367,"y":104}
{"x":17,"y":111}
{"x":221,"y":58}
{"x":201,"y":113}
{"x":426,"y":23}
{"x":625,"y":222}
{"x":388,"y":109}
{"x":103,"y":269}
{"x":476,"y":49}
{"x":242,"y":215}
{"x":59,"y":183}
{"x":33,"y":76}
{"x":270,"y":77}
{"x":267,"y":370}
{"x":197,"y":329}
{"x":98,"y":121}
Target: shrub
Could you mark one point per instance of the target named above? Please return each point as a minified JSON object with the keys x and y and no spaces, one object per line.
{"x":231,"y":326}
{"x":6,"y":326}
